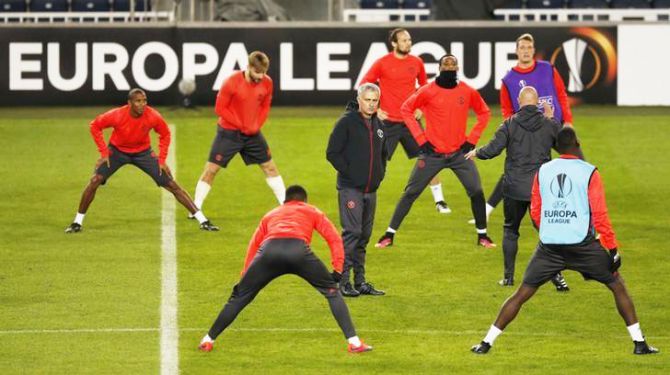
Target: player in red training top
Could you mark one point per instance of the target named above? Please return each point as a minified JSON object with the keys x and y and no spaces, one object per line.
{"x":445,"y":103}
{"x":545,"y":78}
{"x":280,"y":246}
{"x":398,"y":74}
{"x":130,"y":144}
{"x":243,"y":105}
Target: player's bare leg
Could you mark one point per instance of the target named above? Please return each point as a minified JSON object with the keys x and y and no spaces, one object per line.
{"x":507,"y":313}
{"x":182,"y":197}
{"x":86,"y":199}
{"x":273,"y":179}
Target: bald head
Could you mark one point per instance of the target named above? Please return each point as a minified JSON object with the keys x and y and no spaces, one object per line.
{"x":527,"y":96}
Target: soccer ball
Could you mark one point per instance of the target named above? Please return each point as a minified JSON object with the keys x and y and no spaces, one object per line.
{"x":187,"y":86}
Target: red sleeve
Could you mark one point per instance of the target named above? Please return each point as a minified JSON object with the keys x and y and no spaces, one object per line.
{"x":254,"y":244}
{"x":601,"y":221}
{"x":103,"y":121}
{"x":535,"y":201}
{"x":407,"y":111}
{"x":265,"y":106}
{"x":562,"y":97}
{"x":372,"y":76}
{"x":422,"y":77}
{"x":223,"y":99}
{"x":483,"y":115}
{"x":163,"y":138}
{"x":506,"y":106}
{"x":328,"y":231}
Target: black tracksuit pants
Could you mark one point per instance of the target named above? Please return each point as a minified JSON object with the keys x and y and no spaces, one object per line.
{"x":357,"y":215}
{"x":277,"y":257}
{"x":514,"y":212}
{"x":426,"y":167}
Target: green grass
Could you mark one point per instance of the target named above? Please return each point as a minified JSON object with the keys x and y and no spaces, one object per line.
{"x":442,"y":292}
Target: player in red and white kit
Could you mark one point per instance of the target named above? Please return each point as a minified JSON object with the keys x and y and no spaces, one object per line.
{"x":281,"y":245}
{"x":398,"y":74}
{"x":130,"y":144}
{"x":243,"y":105}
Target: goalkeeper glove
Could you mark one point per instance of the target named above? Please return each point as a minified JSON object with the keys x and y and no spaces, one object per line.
{"x":615,"y":260}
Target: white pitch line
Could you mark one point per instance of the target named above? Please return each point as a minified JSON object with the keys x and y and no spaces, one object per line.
{"x":169,"y":329}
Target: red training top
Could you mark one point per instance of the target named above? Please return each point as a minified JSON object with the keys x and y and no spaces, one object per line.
{"x":296,"y":219}
{"x":131,"y":134}
{"x":599,"y":218}
{"x":243,"y":105}
{"x":446,"y":112}
{"x":506,"y":102}
{"x":397,"y":80}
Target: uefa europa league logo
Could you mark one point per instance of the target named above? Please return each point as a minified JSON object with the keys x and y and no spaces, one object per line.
{"x":574,"y":50}
{"x":561,"y":186}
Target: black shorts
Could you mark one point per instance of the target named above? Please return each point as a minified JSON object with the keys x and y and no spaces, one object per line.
{"x":398,"y":132}
{"x":145,"y":160}
{"x":227,"y":143}
{"x":589,"y":259}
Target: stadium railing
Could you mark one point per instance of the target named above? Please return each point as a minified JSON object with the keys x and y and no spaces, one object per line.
{"x":384,"y":15}
{"x":561,"y":14}
{"x":79,"y":17}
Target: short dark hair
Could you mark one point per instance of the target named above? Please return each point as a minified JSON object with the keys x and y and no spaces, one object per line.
{"x":566,"y":140}
{"x":393,"y":34}
{"x":447,"y":55}
{"x":134,"y":91}
{"x":295,"y":193}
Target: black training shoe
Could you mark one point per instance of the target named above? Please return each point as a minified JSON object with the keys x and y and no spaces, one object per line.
{"x":348,"y":291}
{"x":481,"y":348}
{"x":369,"y":289}
{"x":208,"y":226}
{"x":73,"y":228}
{"x":508,"y":281}
{"x":641,"y":347}
{"x":560,"y":283}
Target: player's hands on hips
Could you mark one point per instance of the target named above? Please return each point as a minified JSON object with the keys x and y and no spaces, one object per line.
{"x":337,"y":277}
{"x":418,"y":114}
{"x":427,"y":149}
{"x":615,"y":260}
{"x":164,"y":169}
{"x":101,"y":161}
{"x":466,"y":147}
{"x":471,"y":155}
{"x":382,"y":114}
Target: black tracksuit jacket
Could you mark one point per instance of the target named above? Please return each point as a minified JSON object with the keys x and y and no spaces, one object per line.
{"x":357,"y":150}
{"x":528,"y":137}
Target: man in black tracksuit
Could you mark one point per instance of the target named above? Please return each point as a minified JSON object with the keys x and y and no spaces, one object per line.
{"x":357,"y":151}
{"x":528,"y":136}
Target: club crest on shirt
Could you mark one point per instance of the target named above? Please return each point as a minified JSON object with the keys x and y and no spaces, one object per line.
{"x":351,"y":205}
{"x":380,"y":133}
{"x":461,"y":100}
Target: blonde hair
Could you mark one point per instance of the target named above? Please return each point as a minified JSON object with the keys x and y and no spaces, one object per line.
{"x":527,"y":37}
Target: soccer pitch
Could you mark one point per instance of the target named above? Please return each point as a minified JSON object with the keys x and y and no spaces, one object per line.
{"x":91,"y":302}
